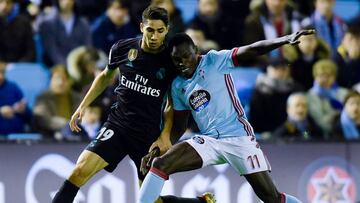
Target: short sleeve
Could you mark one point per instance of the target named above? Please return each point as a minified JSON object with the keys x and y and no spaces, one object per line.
{"x":223,"y":60}
{"x":178,"y":103}
{"x":118,"y":53}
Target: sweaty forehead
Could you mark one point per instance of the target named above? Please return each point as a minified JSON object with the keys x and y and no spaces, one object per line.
{"x":154,"y":24}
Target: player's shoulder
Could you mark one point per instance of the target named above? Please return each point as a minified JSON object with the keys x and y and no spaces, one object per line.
{"x":120,"y":50}
{"x":124,"y":45}
{"x":210,"y":55}
{"x":214,"y":53}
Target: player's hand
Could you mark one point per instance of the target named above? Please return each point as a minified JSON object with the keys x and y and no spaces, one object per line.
{"x":146,"y":161}
{"x":20,"y":107}
{"x":293,"y":38}
{"x":76,"y":119}
{"x":7,"y":112}
{"x":162,"y":143}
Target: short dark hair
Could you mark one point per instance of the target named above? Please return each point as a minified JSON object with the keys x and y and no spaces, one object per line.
{"x":123,"y":3}
{"x":59,"y":68}
{"x":75,"y":7}
{"x":155,"y":13}
{"x":353,"y":29}
{"x":350,"y":95}
{"x":180,"y":38}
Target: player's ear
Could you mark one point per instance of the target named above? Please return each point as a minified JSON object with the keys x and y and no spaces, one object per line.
{"x":196,"y":49}
{"x":142,"y":27}
{"x":167,"y":30}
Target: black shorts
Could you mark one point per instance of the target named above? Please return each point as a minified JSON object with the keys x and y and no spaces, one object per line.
{"x":113,"y":144}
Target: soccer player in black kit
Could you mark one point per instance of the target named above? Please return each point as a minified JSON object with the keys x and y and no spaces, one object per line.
{"x":135,"y":122}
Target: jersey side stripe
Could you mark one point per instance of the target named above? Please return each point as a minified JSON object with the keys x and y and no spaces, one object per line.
{"x":233,"y":100}
{"x":229,"y":79}
{"x":232,"y":96}
{"x":248,"y":126}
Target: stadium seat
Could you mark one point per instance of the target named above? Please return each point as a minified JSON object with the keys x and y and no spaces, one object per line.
{"x":24,"y":136}
{"x":188,"y":9}
{"x":32,"y":79}
{"x":347,"y":9}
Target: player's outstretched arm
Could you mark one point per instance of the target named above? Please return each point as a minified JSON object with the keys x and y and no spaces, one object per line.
{"x":258,"y":48}
{"x":101,"y":81}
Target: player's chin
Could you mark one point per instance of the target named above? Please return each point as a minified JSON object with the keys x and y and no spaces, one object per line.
{"x":154,"y":46}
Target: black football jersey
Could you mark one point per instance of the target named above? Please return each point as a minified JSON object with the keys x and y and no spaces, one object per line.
{"x":144,"y":81}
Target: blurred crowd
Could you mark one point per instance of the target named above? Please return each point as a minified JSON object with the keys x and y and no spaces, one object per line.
{"x":307,"y":92}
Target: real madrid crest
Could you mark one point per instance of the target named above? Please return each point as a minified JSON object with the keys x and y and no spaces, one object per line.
{"x":132,"y":54}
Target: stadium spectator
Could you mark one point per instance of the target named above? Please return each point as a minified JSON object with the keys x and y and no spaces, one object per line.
{"x":90,"y":125}
{"x":197,"y":35}
{"x":106,"y":99}
{"x":347,"y":124}
{"x":83,"y":63}
{"x":325,"y":97}
{"x":176,"y":21}
{"x":91,"y":9}
{"x":271,"y":19}
{"x":53,"y":108}
{"x":216,"y":25}
{"x":14,"y":114}
{"x":270,"y":94}
{"x":136,"y":8}
{"x":16,"y":35}
{"x":40,"y":10}
{"x":299,"y":126}
{"x":236,"y":9}
{"x":113,"y":25}
{"x":305,"y":7}
{"x":329,"y":27}
{"x":303,"y":56}
{"x":63,"y":32}
{"x":348,"y":57}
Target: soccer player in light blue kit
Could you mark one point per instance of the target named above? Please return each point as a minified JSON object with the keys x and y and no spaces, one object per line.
{"x":205,"y":88}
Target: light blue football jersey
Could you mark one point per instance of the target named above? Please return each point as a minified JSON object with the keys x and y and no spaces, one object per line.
{"x":211,"y":97}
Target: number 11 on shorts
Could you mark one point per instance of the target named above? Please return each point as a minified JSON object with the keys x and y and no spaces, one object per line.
{"x":254,"y":161}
